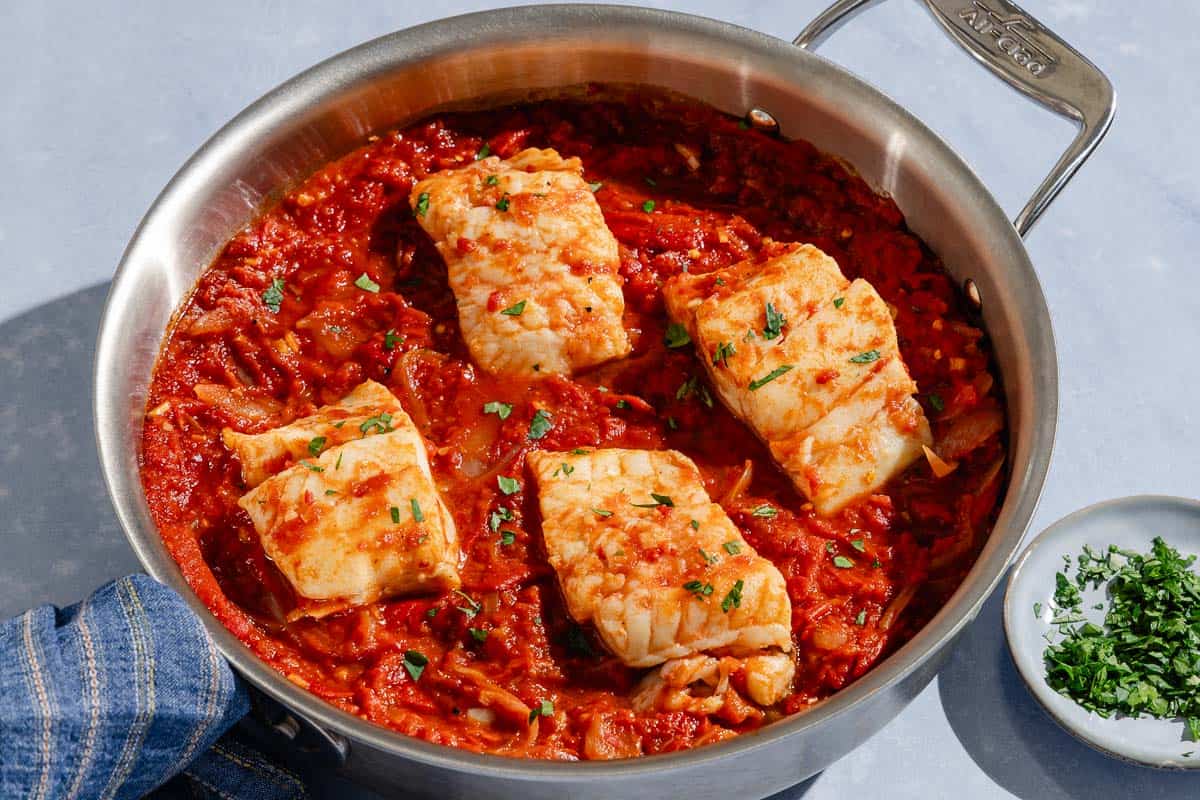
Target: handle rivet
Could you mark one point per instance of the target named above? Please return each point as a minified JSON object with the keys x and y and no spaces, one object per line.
{"x":762,"y":120}
{"x":972,"y":292}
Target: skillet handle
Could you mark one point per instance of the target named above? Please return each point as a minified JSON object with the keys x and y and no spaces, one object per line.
{"x":1029,"y":57}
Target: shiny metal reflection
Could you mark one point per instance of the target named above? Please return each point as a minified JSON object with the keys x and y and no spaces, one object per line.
{"x":971,"y":289}
{"x":762,"y":120}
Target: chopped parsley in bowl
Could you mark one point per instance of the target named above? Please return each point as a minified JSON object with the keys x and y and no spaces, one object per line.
{"x":1102,"y":615}
{"x":1145,"y":656}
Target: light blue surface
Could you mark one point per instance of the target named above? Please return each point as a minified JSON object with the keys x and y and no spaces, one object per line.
{"x":101,"y":102}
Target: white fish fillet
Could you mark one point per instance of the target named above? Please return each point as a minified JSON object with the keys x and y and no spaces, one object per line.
{"x":828,"y":390}
{"x":656,"y":585}
{"x":526,"y":235}
{"x":361,"y":522}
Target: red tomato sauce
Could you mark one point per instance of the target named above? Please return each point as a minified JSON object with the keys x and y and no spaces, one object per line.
{"x":244,"y":356}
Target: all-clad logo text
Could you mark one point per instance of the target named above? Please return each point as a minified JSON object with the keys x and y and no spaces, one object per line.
{"x":1015,"y":36}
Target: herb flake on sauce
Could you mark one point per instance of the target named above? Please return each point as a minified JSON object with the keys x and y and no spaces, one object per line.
{"x":273,"y":297}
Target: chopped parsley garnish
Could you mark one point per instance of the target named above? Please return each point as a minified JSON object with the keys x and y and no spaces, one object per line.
{"x":391,"y":339}
{"x":478,"y":634}
{"x":329,"y":492}
{"x":861,"y":619}
{"x":472,"y":608}
{"x":758,"y":383}
{"x":677,"y":336}
{"x":422,"y":203}
{"x":381,"y":423}
{"x":709,"y":558}
{"x":539,"y":426}
{"x":865,"y":358}
{"x":508,"y":485}
{"x":395,"y":510}
{"x":841,"y":562}
{"x":622,"y":404}
{"x":648,"y":206}
{"x":365,"y":283}
{"x":877,"y":563}
{"x":1037,"y":610}
{"x":858,"y":545}
{"x":1066,"y":594}
{"x":723,"y":352}
{"x":338,"y":465}
{"x":936,"y":402}
{"x":1145,"y":656}
{"x":693,"y":386}
{"x":601,"y":512}
{"x":316,"y":445}
{"x":672,"y":423}
{"x":507,"y":537}
{"x":312,"y":467}
{"x":698,"y":589}
{"x":743,"y":125}
{"x":501,"y":410}
{"x":564,"y":469}
{"x":273,"y":297}
{"x":502,"y":203}
{"x":501,"y":514}
{"x":829,"y":547}
{"x":542,"y":709}
{"x":734,"y":598}
{"x":414,"y":663}
{"x":775,"y":323}
{"x":659,"y":500}
{"x":484,"y":152}
{"x":838,"y":302}
{"x":492,"y":180}
{"x":579,"y":451}
{"x":695,"y":524}
{"x":595,"y":186}
{"x":765,"y":510}
{"x":650,"y":181}
{"x":416,"y":510}
{"x":733,"y":548}
{"x":514,"y":310}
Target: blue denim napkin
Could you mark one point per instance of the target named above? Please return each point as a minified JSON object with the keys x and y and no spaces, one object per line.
{"x":122,"y":695}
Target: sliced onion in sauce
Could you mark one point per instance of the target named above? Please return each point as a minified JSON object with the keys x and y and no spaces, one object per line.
{"x":484,"y":716}
{"x":740,"y":485}
{"x":969,"y":432}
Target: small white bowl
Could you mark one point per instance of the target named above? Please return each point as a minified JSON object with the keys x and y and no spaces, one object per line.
{"x":1129,"y":522}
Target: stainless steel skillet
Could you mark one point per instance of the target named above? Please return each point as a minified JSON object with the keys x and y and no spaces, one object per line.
{"x":327,"y":110}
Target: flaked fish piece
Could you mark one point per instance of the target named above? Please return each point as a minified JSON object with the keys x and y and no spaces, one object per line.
{"x":531,"y":262}
{"x":701,"y":684}
{"x":643,"y":553}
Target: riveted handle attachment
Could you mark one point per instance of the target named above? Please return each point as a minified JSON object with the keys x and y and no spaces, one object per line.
{"x":274,"y":726}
